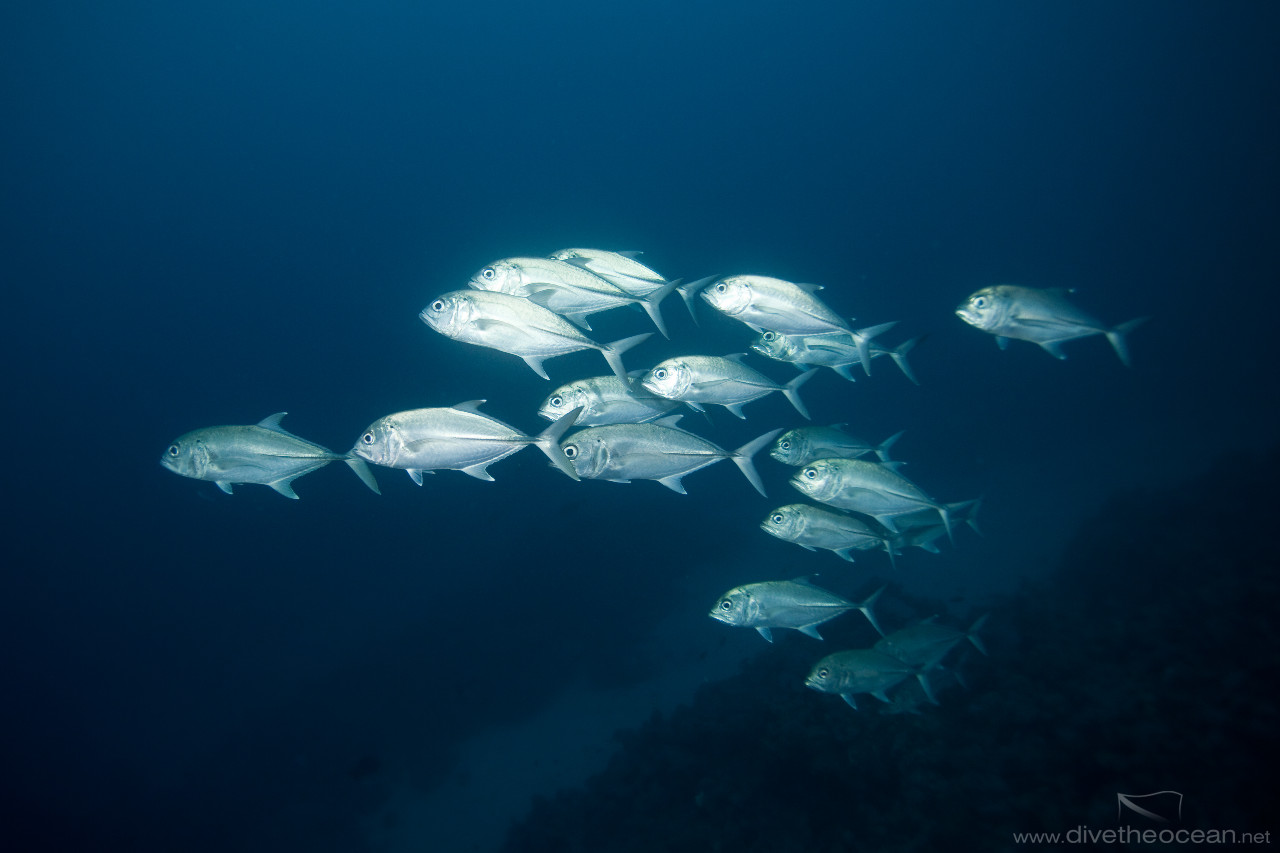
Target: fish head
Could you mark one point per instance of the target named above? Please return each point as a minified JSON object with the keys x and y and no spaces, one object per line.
{"x":730,"y":295}
{"x":588,"y":454}
{"x":736,"y":607}
{"x":984,"y":309}
{"x":775,"y":345}
{"x":189,"y":455}
{"x":670,"y":379}
{"x":785,"y":522}
{"x":789,"y":447}
{"x":824,"y":677}
{"x":449,"y":312}
{"x":505,"y":276}
{"x":565,"y":399}
{"x":382,"y":443}
{"x":819,"y":479}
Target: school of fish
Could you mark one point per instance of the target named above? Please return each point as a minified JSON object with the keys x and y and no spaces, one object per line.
{"x":624,"y":426}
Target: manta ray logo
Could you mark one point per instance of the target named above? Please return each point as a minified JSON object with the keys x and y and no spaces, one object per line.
{"x":1162,"y":806}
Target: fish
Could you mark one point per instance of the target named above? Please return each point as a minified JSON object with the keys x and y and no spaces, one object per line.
{"x":460,"y":438}
{"x":927,"y":642}
{"x":796,"y":604}
{"x":803,"y":445}
{"x":909,"y":697}
{"x":722,"y":380}
{"x":1044,"y":317}
{"x":572,"y":291}
{"x":834,"y":350}
{"x":867,"y":487}
{"x":922,"y":528}
{"x":654,"y":451}
{"x":863,"y":671}
{"x":606,"y":400}
{"x":518,"y":327}
{"x":264,"y":453}
{"x":813,"y":527}
{"x":620,"y":268}
{"x":775,"y":305}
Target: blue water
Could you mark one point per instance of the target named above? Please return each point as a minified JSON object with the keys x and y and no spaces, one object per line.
{"x":213,"y":215}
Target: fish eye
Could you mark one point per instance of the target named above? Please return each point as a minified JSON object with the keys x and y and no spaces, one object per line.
{"x":785,"y":445}
{"x":660,"y":373}
{"x":487,"y":273}
{"x":367,"y":438}
{"x":438,"y":305}
{"x":721,"y":287}
{"x":811,"y":473}
{"x":557,"y":402}
{"x":570,"y":451}
{"x":726,"y":605}
{"x":769,"y":336}
{"x":823,"y":673}
{"x":777,"y":518}
{"x":980,"y":302}
{"x":173,"y":450}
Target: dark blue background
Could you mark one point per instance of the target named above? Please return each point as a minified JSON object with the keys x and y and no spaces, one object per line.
{"x":212,"y":215}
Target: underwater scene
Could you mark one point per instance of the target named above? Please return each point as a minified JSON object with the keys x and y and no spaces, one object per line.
{"x":765,"y":426}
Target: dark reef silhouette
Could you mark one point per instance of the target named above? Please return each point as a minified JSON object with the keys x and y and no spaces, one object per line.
{"x":1146,"y":661}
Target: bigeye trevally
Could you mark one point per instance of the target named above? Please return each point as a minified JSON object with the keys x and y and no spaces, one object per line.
{"x":264,"y":453}
{"x":1043,"y":317}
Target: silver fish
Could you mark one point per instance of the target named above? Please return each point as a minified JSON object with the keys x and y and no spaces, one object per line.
{"x":922,"y":528}
{"x":867,"y":487}
{"x":567,"y":289}
{"x":796,"y":604}
{"x":723,"y":380}
{"x":775,"y":305}
{"x":517,"y":326}
{"x":459,"y":438}
{"x":813,"y":527}
{"x":1044,"y":317}
{"x":654,"y":451}
{"x":927,"y":642}
{"x":621,"y":268}
{"x":263,"y":453}
{"x":605,"y":400}
{"x":863,"y":671}
{"x":803,"y":445}
{"x":835,"y":351}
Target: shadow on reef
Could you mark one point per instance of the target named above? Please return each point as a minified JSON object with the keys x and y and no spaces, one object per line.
{"x":1146,"y":662}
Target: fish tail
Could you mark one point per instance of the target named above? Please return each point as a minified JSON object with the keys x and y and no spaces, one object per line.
{"x":882,"y":449}
{"x":862,"y":339}
{"x":926,"y":685}
{"x":972,"y":633}
{"x":651,"y":302}
{"x":689,"y":292}
{"x":548,"y":441}
{"x":945,"y":512}
{"x":792,"y":390}
{"x":355,"y":463}
{"x":866,"y":606}
{"x":613,"y":354}
{"x":742,"y":458}
{"x":969,"y":510}
{"x":1117,"y":337}
{"x":899,"y":356}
